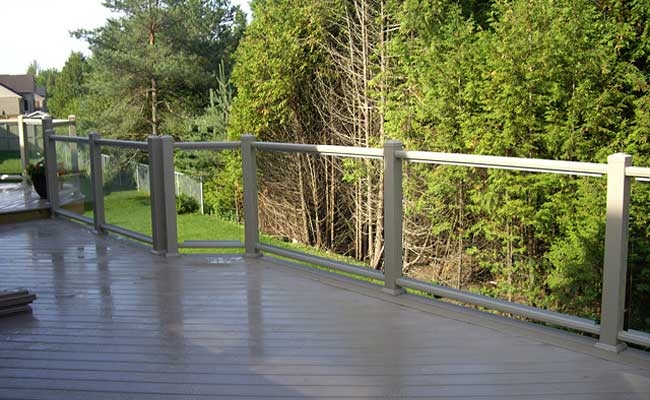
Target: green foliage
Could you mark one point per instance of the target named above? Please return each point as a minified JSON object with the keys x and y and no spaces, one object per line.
{"x":160,"y":56}
{"x":541,"y":79}
{"x":69,"y":89}
{"x":558,"y":80}
{"x":275,"y":67}
{"x":186,"y":204}
{"x":36,"y":169}
{"x":43,"y":77}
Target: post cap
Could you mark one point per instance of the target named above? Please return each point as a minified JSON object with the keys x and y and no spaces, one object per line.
{"x":619,"y":158}
{"x":393,"y":143}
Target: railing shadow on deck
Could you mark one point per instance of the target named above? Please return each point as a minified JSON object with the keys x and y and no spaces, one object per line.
{"x":164,"y":240}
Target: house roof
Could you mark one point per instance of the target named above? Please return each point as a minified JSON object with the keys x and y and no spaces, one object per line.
{"x":6,"y":89}
{"x":19,"y":83}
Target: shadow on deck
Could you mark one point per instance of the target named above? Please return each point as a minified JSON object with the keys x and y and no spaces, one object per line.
{"x":114,"y":321}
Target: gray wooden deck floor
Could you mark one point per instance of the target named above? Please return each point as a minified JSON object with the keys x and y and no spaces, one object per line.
{"x":18,"y":197}
{"x":113,"y":321}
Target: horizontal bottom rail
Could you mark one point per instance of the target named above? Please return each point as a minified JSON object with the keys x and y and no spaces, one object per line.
{"x":551,"y":317}
{"x":128,"y":233}
{"x":636,"y":337}
{"x":211,"y":244}
{"x":72,"y":215}
{"x":320,"y":261}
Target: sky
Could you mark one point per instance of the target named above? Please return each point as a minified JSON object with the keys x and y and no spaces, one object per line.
{"x":44,"y":36}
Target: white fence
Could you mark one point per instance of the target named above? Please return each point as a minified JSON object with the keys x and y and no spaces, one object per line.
{"x":128,"y":174}
{"x":184,"y":184}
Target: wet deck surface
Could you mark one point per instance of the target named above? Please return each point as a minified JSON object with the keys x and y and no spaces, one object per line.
{"x":18,"y":197}
{"x":113,"y":321}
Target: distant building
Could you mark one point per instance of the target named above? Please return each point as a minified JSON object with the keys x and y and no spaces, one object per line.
{"x":20,"y":95}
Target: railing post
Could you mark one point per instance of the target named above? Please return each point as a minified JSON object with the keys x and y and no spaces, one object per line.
{"x":392,"y":217}
{"x":169,"y":190}
{"x":251,"y":222}
{"x":616,"y":248}
{"x":163,"y":195}
{"x":51,"y":168}
{"x":97,"y":181}
{"x":24,"y":147}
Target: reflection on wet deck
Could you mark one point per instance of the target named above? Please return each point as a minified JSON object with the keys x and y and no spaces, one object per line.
{"x":114,"y":321}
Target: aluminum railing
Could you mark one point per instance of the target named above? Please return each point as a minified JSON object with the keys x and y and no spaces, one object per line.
{"x":23,"y":141}
{"x":164,"y":240}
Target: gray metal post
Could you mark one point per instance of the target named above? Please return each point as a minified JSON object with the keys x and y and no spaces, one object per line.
{"x":392,"y":217}
{"x":155,"y":193}
{"x":616,"y":247}
{"x":51,"y":168}
{"x":24,"y":146}
{"x":169,"y":194}
{"x":251,"y":223}
{"x":97,"y":181}
{"x":163,"y":195}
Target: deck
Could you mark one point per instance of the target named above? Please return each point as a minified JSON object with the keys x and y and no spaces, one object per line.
{"x":15,"y":197}
{"x":113,"y":321}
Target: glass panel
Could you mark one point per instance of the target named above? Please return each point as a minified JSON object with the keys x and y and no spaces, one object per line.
{"x":325,"y":206}
{"x":209,"y":197}
{"x":35,"y":142}
{"x":530,"y":238}
{"x":9,"y":149}
{"x":73,"y":164}
{"x":126,"y":193}
{"x":639,"y":258}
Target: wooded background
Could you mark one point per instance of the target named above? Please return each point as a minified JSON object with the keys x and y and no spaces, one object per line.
{"x":555,"y":79}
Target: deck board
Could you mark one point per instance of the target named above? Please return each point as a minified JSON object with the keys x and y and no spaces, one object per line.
{"x":114,"y":321}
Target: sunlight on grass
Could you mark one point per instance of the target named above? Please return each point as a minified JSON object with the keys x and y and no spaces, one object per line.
{"x":10,"y":162}
{"x":132,"y":210}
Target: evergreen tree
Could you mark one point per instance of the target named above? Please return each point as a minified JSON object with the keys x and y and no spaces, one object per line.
{"x":156,"y":61}
{"x":70,"y":87}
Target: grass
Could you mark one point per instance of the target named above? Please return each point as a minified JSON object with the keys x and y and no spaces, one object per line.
{"x":132,"y":210}
{"x":10,"y":162}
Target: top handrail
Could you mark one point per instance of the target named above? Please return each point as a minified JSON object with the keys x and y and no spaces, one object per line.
{"x":125,"y":144}
{"x":454,"y":159}
{"x":322,"y":149}
{"x":39,"y":121}
{"x":511,"y":163}
{"x":71,"y":139}
{"x":207,"y":145}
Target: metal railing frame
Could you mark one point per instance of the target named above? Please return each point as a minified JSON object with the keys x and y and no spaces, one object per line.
{"x":21,"y":123}
{"x":618,"y":172}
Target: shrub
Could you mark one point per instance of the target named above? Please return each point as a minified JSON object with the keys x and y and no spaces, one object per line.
{"x":186,"y":204}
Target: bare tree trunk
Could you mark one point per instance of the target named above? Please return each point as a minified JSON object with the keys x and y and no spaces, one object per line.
{"x":154,"y":90}
{"x":459,"y":272}
{"x":303,"y":203}
{"x":154,"y":108}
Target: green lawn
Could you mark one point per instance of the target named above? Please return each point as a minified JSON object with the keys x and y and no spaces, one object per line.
{"x":132,"y":210}
{"x":10,"y":162}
